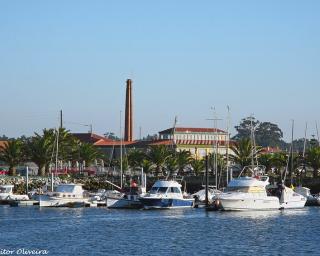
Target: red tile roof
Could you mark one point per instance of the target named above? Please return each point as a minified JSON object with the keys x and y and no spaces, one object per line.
{"x":270,"y":150}
{"x":89,"y":137}
{"x":195,"y":130}
{"x":104,"y":142}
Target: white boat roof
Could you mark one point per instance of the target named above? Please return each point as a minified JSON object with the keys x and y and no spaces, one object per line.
{"x":6,"y":186}
{"x":166,"y":184}
{"x":247,"y":182}
{"x":69,"y":188}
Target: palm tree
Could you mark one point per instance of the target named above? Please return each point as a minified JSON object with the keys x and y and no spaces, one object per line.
{"x":279,"y":161}
{"x":146,"y":165}
{"x":198,"y":165}
{"x":313,"y":159}
{"x":88,"y":153}
{"x":266,"y":160}
{"x":67,"y":144}
{"x":135,"y":158}
{"x":159,"y":156}
{"x":40,"y":148}
{"x":183,"y":158}
{"x":172,"y":165}
{"x":242,"y":153}
{"x":12,"y":154}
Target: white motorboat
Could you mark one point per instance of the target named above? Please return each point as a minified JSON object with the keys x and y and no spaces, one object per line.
{"x":311,"y":199}
{"x":248,"y":193}
{"x":130,"y":198}
{"x":7,"y":195}
{"x":290,"y":199}
{"x":166,"y":194}
{"x":64,"y":195}
{"x":126,"y":201}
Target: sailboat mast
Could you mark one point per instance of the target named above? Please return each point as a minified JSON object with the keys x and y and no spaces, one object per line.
{"x":317,"y":133}
{"x":215,"y":150}
{"x":292,"y":149}
{"x":290,"y":154}
{"x":305,"y":141}
{"x":227,"y":144}
{"x":252,"y":144}
{"x":121,"y":170}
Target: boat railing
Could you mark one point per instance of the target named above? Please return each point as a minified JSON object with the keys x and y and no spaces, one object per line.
{"x":257,"y":170}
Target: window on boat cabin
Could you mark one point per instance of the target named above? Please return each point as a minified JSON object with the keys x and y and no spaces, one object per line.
{"x":174,"y":190}
{"x":237,"y":189}
{"x":162,"y":190}
{"x":154,"y":190}
{"x":3,"y":190}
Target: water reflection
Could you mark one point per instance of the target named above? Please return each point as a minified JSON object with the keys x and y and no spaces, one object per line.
{"x":254,"y":214}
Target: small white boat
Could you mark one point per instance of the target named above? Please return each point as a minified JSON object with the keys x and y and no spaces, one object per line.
{"x":200,"y":196}
{"x":126,"y":201}
{"x":129,"y":199}
{"x":6,"y":194}
{"x":65,"y":195}
{"x":311,"y":199}
{"x":291,"y":200}
{"x":166,"y":195}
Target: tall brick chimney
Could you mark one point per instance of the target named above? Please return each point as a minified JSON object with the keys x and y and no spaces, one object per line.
{"x":128,"y":133}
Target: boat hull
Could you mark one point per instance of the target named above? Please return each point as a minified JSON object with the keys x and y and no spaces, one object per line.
{"x":242,"y":203}
{"x":294,"y":204}
{"x":122,"y":203}
{"x":166,"y":203}
{"x":45,"y":201}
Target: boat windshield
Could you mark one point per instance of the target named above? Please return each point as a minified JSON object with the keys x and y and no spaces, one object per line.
{"x":154,"y":190}
{"x":161,"y":190}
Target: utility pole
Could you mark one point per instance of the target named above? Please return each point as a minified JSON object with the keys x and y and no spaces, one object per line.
{"x":61,"y":120}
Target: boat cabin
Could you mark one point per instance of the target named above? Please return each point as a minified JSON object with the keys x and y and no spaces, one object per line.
{"x":69,"y":190}
{"x":6,"y":189}
{"x":166,"y":187}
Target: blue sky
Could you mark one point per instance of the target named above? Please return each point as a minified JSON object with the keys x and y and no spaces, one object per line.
{"x":184,"y":57}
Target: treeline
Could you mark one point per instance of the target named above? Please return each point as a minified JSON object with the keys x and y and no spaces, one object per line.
{"x":41,"y":149}
{"x":268,"y":134}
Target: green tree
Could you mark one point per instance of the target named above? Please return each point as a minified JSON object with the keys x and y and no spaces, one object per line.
{"x":135,"y":158}
{"x":88,"y":153}
{"x":279,"y":161}
{"x":147,"y":165}
{"x":242,"y":153}
{"x":313,"y":159}
{"x":266,"y":160}
{"x":267,"y":134}
{"x":40,"y":149}
{"x":159,"y":156}
{"x":198,"y":165}
{"x":12,"y":154}
{"x":244,"y":128}
{"x":183,"y":159}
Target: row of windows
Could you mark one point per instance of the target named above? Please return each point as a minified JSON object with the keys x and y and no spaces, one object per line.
{"x":193,"y":137}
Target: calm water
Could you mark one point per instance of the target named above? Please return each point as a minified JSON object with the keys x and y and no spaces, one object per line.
{"x":102,"y":231}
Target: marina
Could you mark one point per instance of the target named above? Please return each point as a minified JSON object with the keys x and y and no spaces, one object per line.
{"x":164,"y":128}
{"x":101,"y":231}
